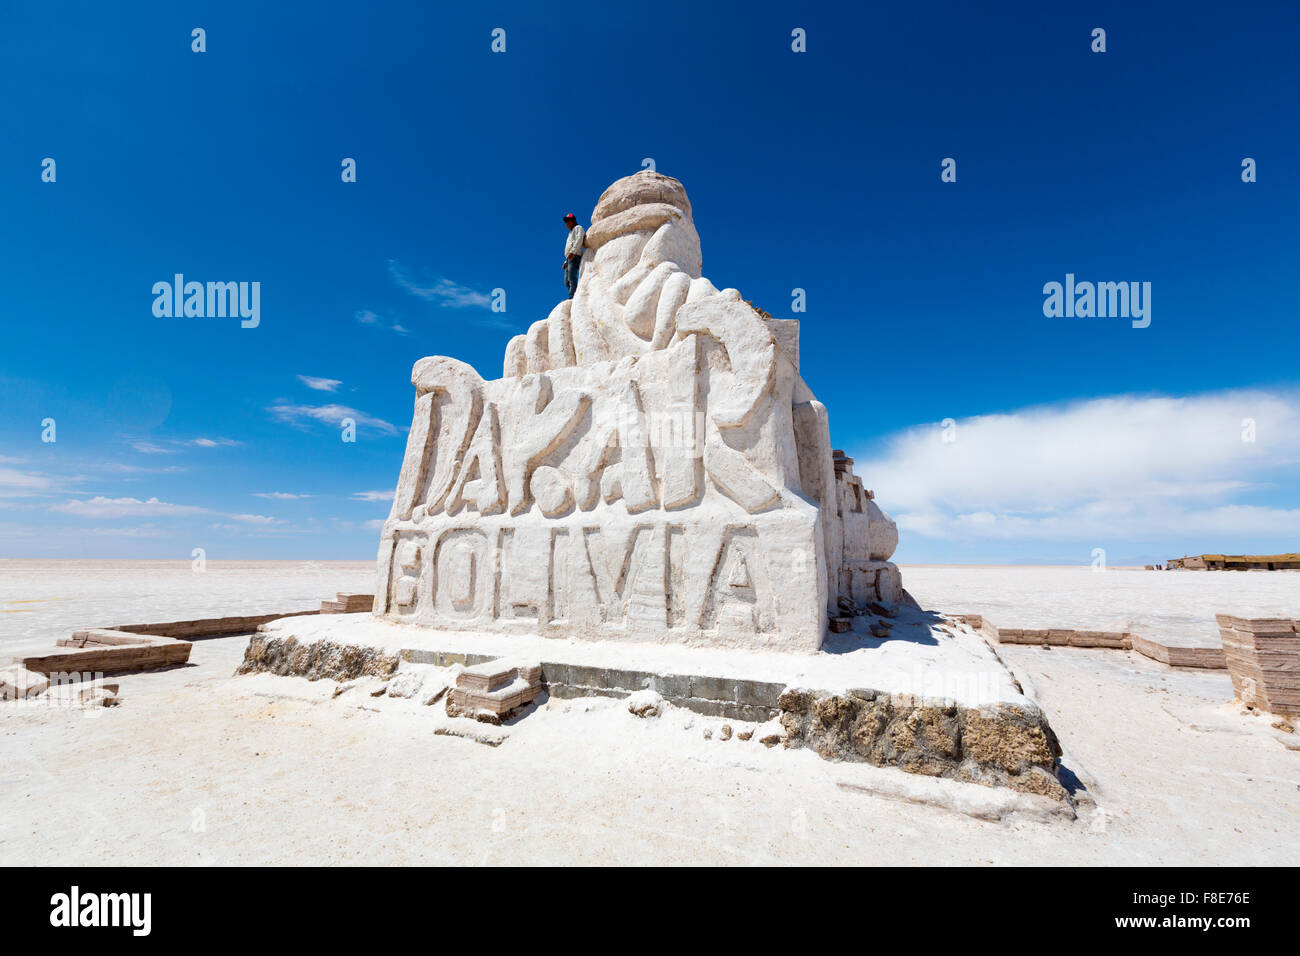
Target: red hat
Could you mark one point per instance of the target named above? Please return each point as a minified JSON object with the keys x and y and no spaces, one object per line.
{"x":571,"y":216}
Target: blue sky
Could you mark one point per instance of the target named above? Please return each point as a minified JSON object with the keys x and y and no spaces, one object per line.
{"x":816,"y":170}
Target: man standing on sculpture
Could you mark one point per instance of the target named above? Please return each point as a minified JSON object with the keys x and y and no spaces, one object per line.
{"x":572,"y":253}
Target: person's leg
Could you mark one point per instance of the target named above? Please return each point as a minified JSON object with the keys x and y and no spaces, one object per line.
{"x":571,"y":277}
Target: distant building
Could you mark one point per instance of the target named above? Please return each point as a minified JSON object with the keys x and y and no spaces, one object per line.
{"x":1237,"y":562}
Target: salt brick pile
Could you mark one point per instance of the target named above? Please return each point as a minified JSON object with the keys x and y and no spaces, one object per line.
{"x":110,"y":651}
{"x":1263,"y":656}
{"x":492,"y":690}
{"x":348,"y":604}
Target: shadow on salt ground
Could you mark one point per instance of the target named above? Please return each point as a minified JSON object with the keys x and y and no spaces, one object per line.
{"x":529,"y":708}
{"x":1072,"y":784}
{"x":914,"y":629}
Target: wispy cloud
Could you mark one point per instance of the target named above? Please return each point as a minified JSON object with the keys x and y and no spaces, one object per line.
{"x":101,"y":507}
{"x":168,"y":446}
{"x":279,"y":495}
{"x":256,"y":519}
{"x":298,"y":415}
{"x":71,"y":535}
{"x":343,"y":524}
{"x":111,"y":509}
{"x":15,"y":483}
{"x":441,"y":290}
{"x":1126,"y":467}
{"x":120,"y":467}
{"x":257,"y":531}
{"x":373,"y":495}
{"x":320,"y":384}
{"x":367,"y":317}
{"x":135,"y":531}
{"x":24,"y":483}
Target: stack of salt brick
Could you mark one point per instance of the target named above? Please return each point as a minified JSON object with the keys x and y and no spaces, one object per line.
{"x":491,"y":690}
{"x":348,"y":604}
{"x":1263,"y":657}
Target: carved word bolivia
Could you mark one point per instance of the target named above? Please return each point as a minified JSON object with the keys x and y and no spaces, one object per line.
{"x":584,"y":575}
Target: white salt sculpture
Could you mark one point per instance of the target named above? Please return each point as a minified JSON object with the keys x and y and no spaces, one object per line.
{"x":650,"y":466}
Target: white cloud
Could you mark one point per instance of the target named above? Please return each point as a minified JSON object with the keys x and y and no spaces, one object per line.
{"x":101,"y":507}
{"x":320,"y":384}
{"x":329,"y":415}
{"x":120,"y":467}
{"x":109,"y":508}
{"x":169,"y":446}
{"x":374,"y":495}
{"x":15,"y":483}
{"x":279,"y":495}
{"x":1126,"y":466}
{"x":255,"y":519}
{"x":21,"y":483}
{"x":443,"y":291}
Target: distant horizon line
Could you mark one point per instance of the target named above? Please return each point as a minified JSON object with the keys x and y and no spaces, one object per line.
{"x":300,"y":561}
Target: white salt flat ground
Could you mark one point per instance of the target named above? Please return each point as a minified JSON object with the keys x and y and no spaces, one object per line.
{"x":41,"y":601}
{"x":1164,"y":605}
{"x":199,"y":767}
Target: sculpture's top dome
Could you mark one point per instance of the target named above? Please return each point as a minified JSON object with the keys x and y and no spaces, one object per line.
{"x":641,"y":188}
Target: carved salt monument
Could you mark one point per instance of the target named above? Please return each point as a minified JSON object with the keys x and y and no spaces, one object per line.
{"x":650,"y":466}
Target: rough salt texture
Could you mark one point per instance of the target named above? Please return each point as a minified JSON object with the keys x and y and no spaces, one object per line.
{"x":1001,"y":745}
{"x":651,"y":466}
{"x":316,"y":660}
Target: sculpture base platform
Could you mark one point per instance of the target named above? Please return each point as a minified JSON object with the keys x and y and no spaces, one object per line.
{"x":932,"y":698}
